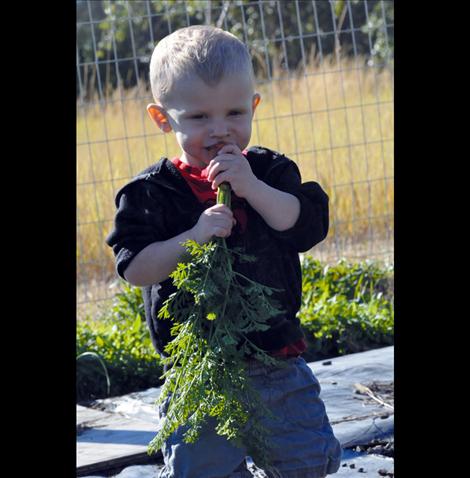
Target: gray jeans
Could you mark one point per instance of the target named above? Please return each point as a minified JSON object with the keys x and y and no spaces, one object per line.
{"x":302,"y":434}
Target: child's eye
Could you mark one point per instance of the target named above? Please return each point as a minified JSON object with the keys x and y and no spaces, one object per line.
{"x":235,"y":113}
{"x":199,"y":116}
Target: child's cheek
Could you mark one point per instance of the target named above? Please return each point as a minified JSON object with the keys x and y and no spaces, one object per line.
{"x":246,"y":135}
{"x":183,"y":139}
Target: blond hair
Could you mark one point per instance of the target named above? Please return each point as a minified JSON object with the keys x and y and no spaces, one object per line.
{"x":202,"y":50}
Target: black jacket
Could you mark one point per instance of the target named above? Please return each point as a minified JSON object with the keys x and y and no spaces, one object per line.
{"x":158,"y":204}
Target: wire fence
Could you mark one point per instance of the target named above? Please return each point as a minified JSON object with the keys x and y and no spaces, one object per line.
{"x":325,"y":73}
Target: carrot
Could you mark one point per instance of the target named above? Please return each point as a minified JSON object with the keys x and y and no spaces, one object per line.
{"x":214,"y":310}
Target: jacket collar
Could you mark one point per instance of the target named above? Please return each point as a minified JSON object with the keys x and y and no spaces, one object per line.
{"x":166,"y":175}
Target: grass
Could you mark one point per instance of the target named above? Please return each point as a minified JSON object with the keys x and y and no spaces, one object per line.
{"x":336,"y":123}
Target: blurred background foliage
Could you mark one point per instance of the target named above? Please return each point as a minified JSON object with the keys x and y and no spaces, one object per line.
{"x":115,"y":39}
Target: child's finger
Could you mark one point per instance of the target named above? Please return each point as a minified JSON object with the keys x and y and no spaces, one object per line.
{"x":220,"y":232}
{"x":216,"y":168}
{"x":220,"y":209}
{"x":222,"y":227}
{"x":219,"y":179}
{"x":229,"y":148}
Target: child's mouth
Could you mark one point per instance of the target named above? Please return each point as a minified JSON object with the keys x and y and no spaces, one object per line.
{"x":214,"y":149}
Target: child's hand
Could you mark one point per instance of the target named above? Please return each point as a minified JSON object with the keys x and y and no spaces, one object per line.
{"x":231,"y":166}
{"x":217,"y":221}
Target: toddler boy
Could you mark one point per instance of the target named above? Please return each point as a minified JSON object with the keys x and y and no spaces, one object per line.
{"x":203,"y":85}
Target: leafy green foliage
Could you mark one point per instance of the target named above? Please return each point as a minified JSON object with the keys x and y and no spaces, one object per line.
{"x":120,"y":339}
{"x":333,"y":326}
{"x":346,"y":308}
{"x":131,"y":29}
{"x":213,"y":310}
{"x":379,"y":28}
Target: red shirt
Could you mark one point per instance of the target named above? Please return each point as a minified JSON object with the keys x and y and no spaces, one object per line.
{"x":291,"y":350}
{"x":202,"y":188}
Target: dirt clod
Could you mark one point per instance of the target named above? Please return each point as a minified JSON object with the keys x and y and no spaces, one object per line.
{"x":378,"y":447}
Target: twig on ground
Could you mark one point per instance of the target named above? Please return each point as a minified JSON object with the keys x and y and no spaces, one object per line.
{"x":367,"y":391}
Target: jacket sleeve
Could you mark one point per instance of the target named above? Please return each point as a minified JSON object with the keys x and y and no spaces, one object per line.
{"x":139,"y":222}
{"x":312,"y":224}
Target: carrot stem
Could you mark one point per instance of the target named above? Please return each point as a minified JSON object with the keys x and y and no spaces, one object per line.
{"x":224,"y":195}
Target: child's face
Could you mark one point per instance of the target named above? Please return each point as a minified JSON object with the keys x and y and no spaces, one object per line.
{"x":205,"y":118}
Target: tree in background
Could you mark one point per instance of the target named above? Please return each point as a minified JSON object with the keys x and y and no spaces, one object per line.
{"x":115,"y":39}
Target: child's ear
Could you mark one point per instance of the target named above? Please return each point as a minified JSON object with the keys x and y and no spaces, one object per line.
{"x":158,"y":115}
{"x":255,"y":101}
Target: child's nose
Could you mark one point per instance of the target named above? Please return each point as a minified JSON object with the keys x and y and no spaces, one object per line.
{"x":220,"y":129}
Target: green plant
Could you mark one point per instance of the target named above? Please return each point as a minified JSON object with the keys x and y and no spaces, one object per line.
{"x":89,"y":373}
{"x":214,"y":310}
{"x":346,"y":307}
{"x":121,"y":339}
